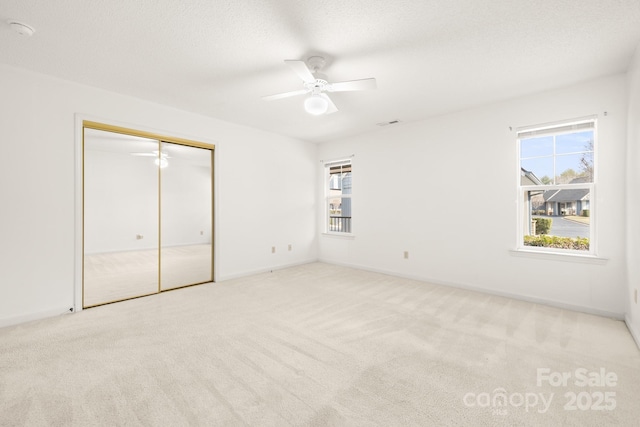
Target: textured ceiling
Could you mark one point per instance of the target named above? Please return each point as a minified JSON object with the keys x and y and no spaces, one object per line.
{"x":218,"y":57}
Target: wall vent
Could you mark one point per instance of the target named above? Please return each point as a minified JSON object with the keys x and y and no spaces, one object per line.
{"x":392,"y":122}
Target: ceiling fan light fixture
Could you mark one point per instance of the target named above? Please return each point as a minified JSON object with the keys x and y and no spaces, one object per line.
{"x":316,"y":105}
{"x":162,"y":162}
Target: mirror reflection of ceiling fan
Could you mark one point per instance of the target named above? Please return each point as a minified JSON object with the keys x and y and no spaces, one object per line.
{"x":316,"y":85}
{"x":160,"y":157}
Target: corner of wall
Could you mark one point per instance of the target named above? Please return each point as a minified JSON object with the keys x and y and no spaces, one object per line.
{"x":632,"y":316}
{"x":632,"y":330}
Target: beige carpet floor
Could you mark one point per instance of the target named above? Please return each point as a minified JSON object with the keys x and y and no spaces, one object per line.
{"x":117,"y":276}
{"x":319,"y":345}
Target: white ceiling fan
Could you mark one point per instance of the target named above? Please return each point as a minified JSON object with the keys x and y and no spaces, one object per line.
{"x":161,"y":157}
{"x":316,"y":85}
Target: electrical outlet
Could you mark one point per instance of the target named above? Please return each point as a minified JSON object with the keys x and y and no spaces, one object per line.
{"x":273,"y":249}
{"x":406,"y":254}
{"x":289,"y":246}
{"x":139,"y":236}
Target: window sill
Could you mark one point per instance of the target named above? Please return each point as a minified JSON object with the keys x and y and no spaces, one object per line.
{"x":348,"y":236}
{"x":558,"y":256}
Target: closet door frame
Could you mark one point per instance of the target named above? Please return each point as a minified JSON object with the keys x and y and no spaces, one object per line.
{"x":83,"y":122}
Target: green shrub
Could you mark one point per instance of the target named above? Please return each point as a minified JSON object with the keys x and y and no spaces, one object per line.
{"x":585,"y":212}
{"x":543,"y":225}
{"x":546,"y":241}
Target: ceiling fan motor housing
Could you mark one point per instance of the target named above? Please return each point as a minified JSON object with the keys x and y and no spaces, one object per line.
{"x":320,"y":85}
{"x":316,"y":63}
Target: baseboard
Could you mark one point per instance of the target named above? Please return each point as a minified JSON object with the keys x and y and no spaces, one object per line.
{"x":634,"y":333}
{"x":264,"y":270}
{"x":527,"y":298}
{"x":24,"y":318}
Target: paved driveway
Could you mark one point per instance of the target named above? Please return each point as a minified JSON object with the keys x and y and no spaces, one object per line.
{"x":565,"y":228}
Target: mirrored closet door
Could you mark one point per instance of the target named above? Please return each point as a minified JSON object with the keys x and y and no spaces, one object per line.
{"x":186,"y":230}
{"x":147,"y":214}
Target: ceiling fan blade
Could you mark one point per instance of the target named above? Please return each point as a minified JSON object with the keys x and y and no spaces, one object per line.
{"x":332,"y":107}
{"x":285,"y":94}
{"x":301,"y":69}
{"x":152,"y":154}
{"x":363,"y":84}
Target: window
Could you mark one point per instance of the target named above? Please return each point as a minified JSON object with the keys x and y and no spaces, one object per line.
{"x":338,"y":193}
{"x":556,"y":187}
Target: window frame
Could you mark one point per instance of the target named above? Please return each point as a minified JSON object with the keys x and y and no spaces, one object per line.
{"x":524,"y":209}
{"x":326,"y":174}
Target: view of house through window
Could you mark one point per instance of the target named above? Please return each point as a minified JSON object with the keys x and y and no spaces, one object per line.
{"x":556,"y":186}
{"x":338,"y":196}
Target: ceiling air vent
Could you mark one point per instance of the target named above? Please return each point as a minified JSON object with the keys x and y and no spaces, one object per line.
{"x":392,"y":122}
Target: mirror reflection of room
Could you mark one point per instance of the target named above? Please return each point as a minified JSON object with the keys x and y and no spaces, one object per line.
{"x":186,"y":217}
{"x":147,"y":216}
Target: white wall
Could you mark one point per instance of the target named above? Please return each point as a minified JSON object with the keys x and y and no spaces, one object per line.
{"x":633,"y":198}
{"x":444,"y":189}
{"x":258,"y":204}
